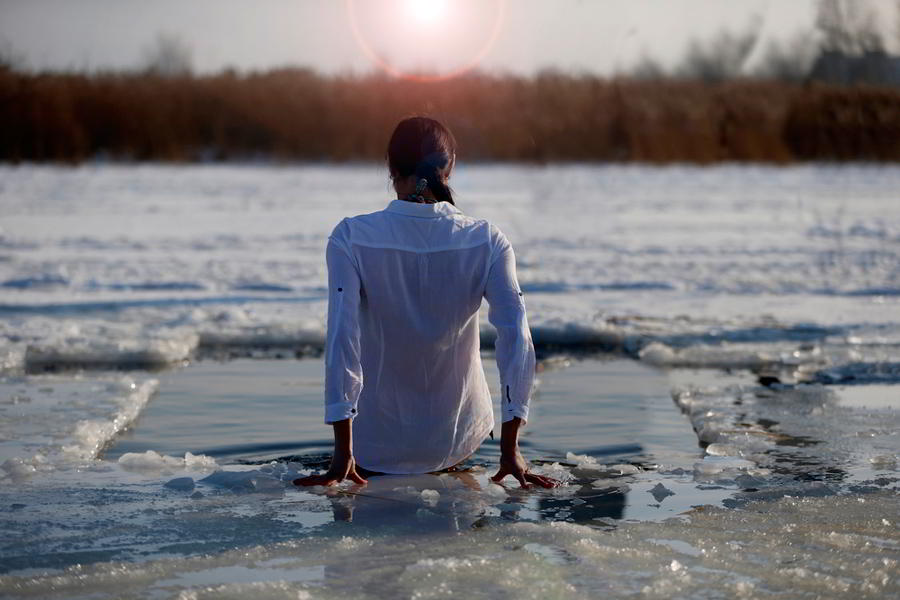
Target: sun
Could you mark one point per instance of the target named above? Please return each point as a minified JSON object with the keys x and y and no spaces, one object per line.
{"x":427,"y":12}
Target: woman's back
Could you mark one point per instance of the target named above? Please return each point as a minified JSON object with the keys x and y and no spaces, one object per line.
{"x":408,"y":282}
{"x":423,"y":268}
{"x":405,"y":390}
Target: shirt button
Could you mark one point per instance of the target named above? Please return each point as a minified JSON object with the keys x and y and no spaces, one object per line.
{"x":340,"y":289}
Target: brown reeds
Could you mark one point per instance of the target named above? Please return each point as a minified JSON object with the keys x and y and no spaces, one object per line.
{"x":296,"y":114}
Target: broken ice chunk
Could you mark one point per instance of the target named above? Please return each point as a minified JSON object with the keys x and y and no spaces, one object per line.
{"x":430,"y":497}
{"x":884,"y":461}
{"x":267,"y":485}
{"x":181,"y":484}
{"x":746,"y":481}
{"x":722,"y":450}
{"x":582,"y":460}
{"x":714,"y":467}
{"x":625,"y":469}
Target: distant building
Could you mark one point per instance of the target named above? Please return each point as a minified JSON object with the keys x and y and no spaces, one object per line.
{"x":875,"y":67}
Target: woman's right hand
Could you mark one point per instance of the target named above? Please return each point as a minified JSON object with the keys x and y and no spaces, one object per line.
{"x":343,"y":466}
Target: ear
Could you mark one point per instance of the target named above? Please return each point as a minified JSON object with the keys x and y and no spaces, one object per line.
{"x":449,"y":169}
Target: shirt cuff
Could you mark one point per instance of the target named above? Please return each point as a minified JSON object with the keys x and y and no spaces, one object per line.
{"x":510,"y":412}
{"x":339,"y":412}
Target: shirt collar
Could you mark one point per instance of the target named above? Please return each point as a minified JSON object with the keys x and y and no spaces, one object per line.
{"x":425,"y":210}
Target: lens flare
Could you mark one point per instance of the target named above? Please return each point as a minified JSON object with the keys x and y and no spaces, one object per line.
{"x":394,"y":34}
{"x":427,"y":11}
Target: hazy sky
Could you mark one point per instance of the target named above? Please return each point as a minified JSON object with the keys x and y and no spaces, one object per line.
{"x":582,"y":35}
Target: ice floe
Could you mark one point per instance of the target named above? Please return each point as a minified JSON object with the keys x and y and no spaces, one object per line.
{"x":55,"y":422}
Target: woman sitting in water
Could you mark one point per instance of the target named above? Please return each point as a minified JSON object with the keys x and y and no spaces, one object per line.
{"x":404,"y":385}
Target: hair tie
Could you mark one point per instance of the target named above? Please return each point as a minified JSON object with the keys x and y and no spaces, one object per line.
{"x":417,"y":196}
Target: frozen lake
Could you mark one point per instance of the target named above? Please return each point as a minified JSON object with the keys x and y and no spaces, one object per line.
{"x":720,"y":367}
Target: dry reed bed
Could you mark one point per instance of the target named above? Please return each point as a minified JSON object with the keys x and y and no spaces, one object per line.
{"x":296,"y":114}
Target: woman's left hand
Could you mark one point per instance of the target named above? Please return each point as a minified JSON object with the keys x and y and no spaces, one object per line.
{"x":515,"y":465}
{"x":343,"y":466}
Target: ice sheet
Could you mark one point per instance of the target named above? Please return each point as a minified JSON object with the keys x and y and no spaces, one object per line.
{"x":783,"y":437}
{"x":783,"y":278}
{"x":49,"y":423}
{"x":826,"y":547}
{"x":737,"y":267}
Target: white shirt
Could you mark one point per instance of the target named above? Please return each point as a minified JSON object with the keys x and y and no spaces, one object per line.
{"x":402,"y":349}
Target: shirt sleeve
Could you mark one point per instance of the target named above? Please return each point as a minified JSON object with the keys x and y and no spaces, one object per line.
{"x":513,"y":347}
{"x":343,"y":371}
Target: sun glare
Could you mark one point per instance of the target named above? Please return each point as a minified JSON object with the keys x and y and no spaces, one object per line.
{"x":426,"y":40}
{"x":427,"y":11}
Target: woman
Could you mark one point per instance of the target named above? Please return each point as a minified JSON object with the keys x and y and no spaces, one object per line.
{"x":404,"y":385}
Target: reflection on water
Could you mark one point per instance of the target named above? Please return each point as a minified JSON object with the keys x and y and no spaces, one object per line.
{"x":430,"y":504}
{"x":586,"y":505}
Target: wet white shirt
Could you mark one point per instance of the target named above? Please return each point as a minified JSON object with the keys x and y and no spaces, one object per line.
{"x":402,"y":349}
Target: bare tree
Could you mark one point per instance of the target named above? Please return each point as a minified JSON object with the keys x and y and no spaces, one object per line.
{"x":789,"y":60}
{"x":168,"y":55}
{"x":10,"y":60}
{"x":647,"y":68}
{"x":848,"y":27}
{"x":721,"y":57}
{"x":897,"y":25}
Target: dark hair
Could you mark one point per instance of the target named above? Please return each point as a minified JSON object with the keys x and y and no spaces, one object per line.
{"x":423,"y":147}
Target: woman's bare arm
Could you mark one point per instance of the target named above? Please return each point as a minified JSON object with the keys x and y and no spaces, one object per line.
{"x":343,"y":465}
{"x":513,"y":463}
